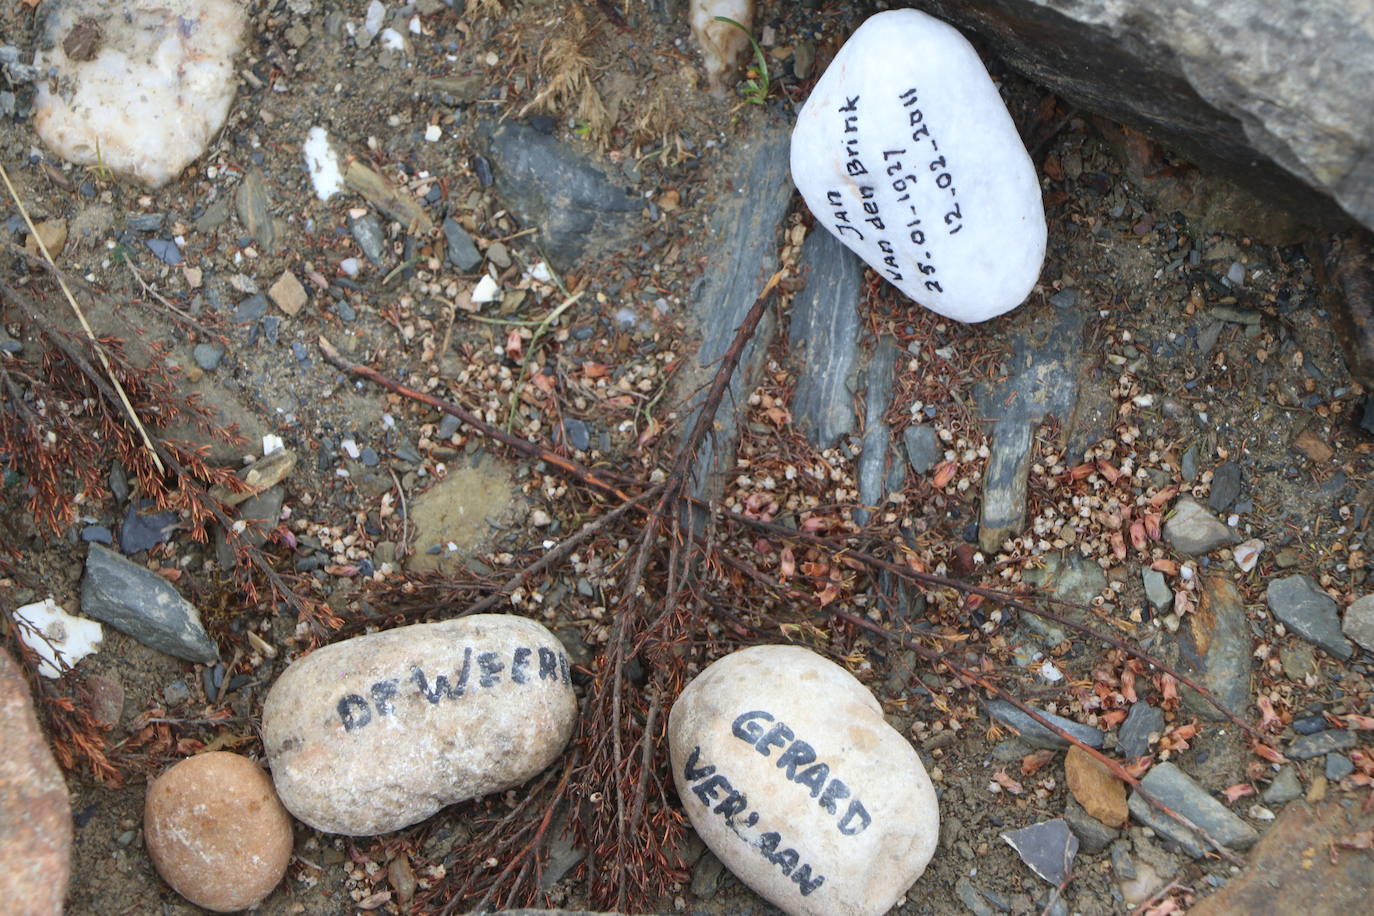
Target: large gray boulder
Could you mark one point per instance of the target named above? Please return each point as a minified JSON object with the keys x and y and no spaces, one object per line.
{"x":1277,"y":94}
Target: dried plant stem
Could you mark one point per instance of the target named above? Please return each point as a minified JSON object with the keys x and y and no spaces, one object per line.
{"x":85,"y":325}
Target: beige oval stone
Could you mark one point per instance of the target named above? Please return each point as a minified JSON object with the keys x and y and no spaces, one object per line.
{"x":378,"y":732}
{"x":216,"y":831}
{"x":792,"y":777}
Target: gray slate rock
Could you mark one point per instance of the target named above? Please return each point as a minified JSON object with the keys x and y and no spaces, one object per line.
{"x":1141,"y":722}
{"x":1033,"y":733}
{"x":1093,"y":835}
{"x":1338,"y":766}
{"x":972,"y":898}
{"x":1359,"y":622}
{"x":1068,"y":577}
{"x":166,"y":250}
{"x":1192,"y":530}
{"x":922,"y":447}
{"x":462,"y":252}
{"x":824,"y":335}
{"x":1043,"y":381}
{"x":1214,"y":647}
{"x":553,"y":187}
{"x":1276,"y":96}
{"x":208,"y":355}
{"x":144,"y":605}
{"x":1177,"y":790}
{"x":1310,"y":613}
{"x":367,"y":232}
{"x":143,"y":532}
{"x":1322,"y":743}
{"x":254,"y":206}
{"x":1285,"y":787}
{"x":745,"y":230}
{"x":877,"y":437}
{"x":1157,"y":591}
{"x":1225,"y":487}
{"x":250,"y":309}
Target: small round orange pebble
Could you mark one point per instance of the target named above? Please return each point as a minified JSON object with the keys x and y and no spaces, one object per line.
{"x":216,"y":831}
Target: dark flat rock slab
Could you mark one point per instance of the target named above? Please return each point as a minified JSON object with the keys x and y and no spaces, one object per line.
{"x":552,"y":186}
{"x":824,"y":337}
{"x":1177,"y":790}
{"x":1214,"y":645}
{"x":1309,"y":746}
{"x":1033,"y":733}
{"x":873,"y":462}
{"x":744,"y":236}
{"x":143,"y":605}
{"x":1043,"y":381}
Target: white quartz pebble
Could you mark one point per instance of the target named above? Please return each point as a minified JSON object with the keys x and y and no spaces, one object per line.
{"x":906,"y":153}
{"x":378,"y":732}
{"x":138,"y":87}
{"x":791,"y":776}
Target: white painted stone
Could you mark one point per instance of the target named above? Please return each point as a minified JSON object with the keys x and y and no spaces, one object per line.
{"x":906,"y":153}
{"x":50,"y":631}
{"x":378,"y":732}
{"x":145,"y":97}
{"x":791,"y":776}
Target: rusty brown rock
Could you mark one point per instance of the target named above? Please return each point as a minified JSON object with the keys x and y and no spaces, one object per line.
{"x":1300,"y":866}
{"x":216,"y":831}
{"x":35,"y":813}
{"x":1100,"y":793}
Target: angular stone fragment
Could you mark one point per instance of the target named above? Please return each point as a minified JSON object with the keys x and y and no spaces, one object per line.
{"x":216,"y":831}
{"x":1143,"y":724}
{"x":144,"y":605}
{"x":906,"y":152}
{"x":1309,"y":612}
{"x":1100,"y":793}
{"x":288,"y":293}
{"x":1048,"y":848}
{"x":1359,"y":622}
{"x":792,"y":777}
{"x":35,"y":814}
{"x":1177,"y":791}
{"x":378,"y":732}
{"x":146,"y":90}
{"x":1192,"y":530}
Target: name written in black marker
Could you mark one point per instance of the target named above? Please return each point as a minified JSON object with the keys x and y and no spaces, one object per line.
{"x":478,"y":671}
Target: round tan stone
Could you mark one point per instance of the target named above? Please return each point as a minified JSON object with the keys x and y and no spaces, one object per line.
{"x":216,"y":831}
{"x":378,"y":732}
{"x":791,"y":776}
